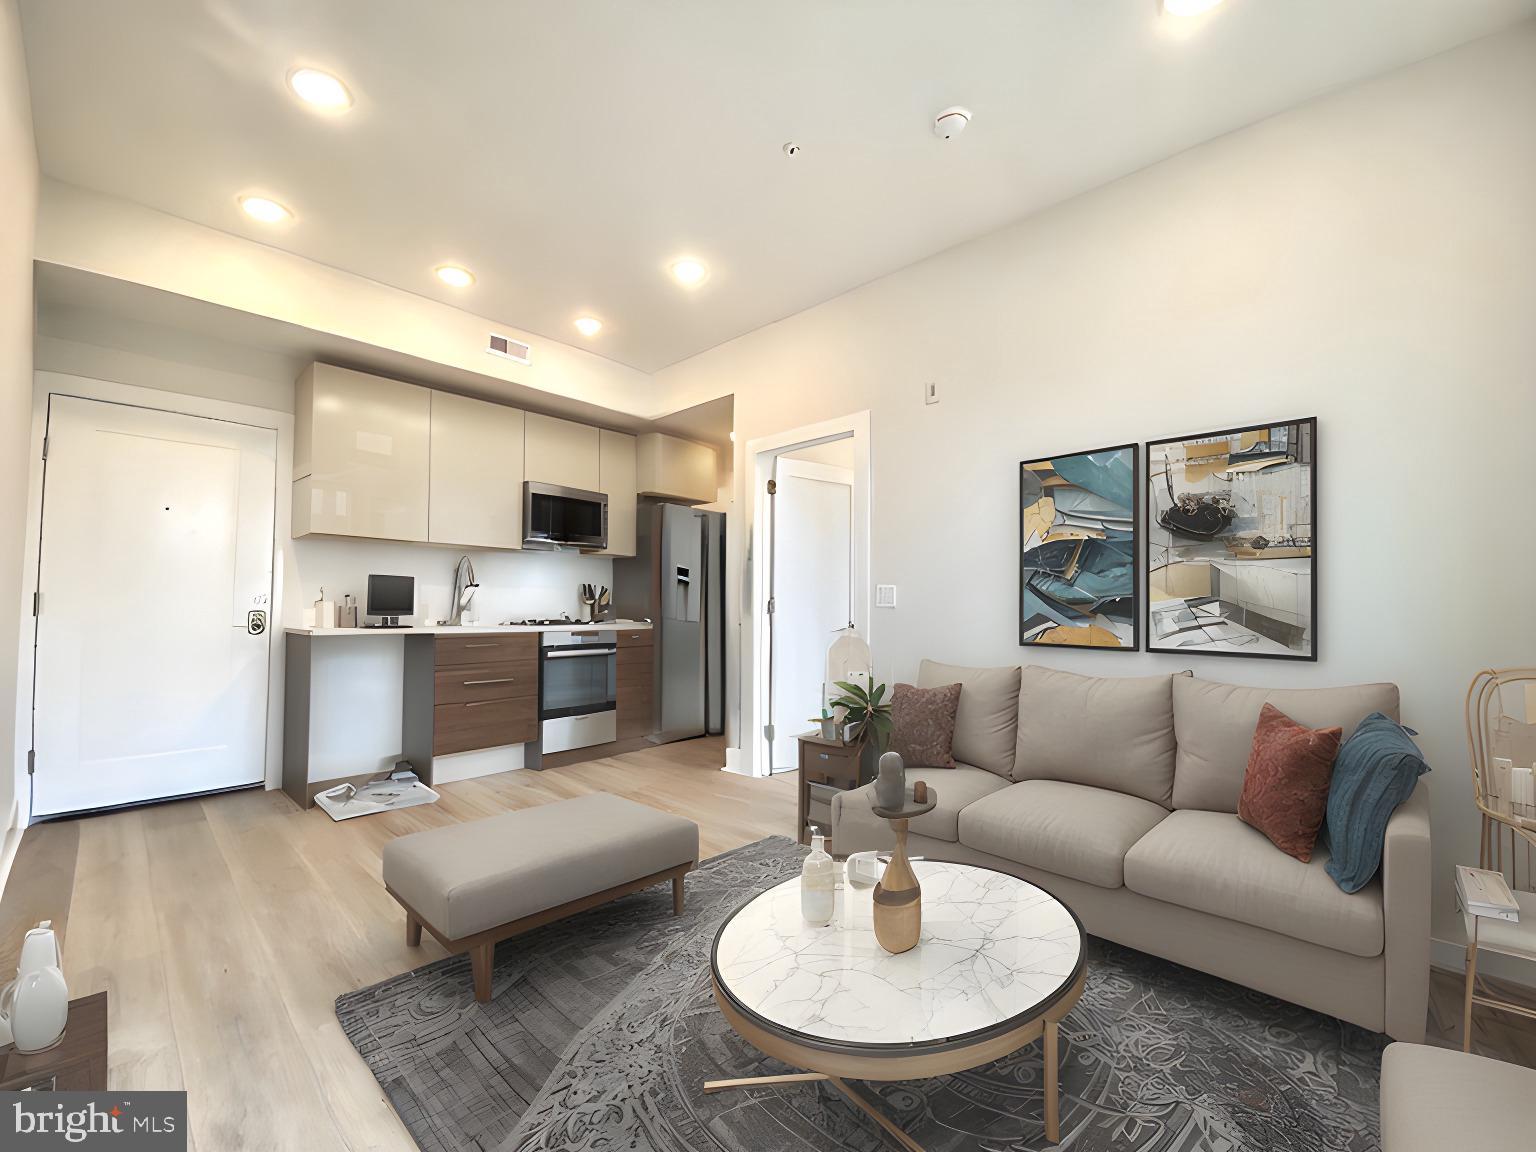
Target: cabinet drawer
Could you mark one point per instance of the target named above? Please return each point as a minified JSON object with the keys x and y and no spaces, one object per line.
{"x":484,"y":724}
{"x":823,"y":765}
{"x":506,"y":680}
{"x":637,"y":637}
{"x":635,"y":716}
{"x":637,"y":657}
{"x":635,"y":676}
{"x":487,"y":648}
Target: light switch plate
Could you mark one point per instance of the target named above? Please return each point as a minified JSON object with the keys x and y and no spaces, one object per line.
{"x":885,"y":595}
{"x":930,"y":393}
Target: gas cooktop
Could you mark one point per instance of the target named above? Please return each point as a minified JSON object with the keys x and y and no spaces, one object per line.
{"x":534,"y":623}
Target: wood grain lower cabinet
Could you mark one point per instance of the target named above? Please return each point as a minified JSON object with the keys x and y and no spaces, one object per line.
{"x":464,"y":693}
{"x":635,"y":698}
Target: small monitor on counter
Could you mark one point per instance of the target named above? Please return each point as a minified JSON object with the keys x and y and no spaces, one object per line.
{"x":391,"y":597}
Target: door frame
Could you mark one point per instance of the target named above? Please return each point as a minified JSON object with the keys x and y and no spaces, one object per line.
{"x":760,"y":455}
{"x":284,"y":571}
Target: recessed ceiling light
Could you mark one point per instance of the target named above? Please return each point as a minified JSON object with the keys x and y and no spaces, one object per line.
{"x":1188,"y":7}
{"x":267,"y":211}
{"x":320,"y":89}
{"x":689,"y":273}
{"x":454,"y":276}
{"x":589,"y":325}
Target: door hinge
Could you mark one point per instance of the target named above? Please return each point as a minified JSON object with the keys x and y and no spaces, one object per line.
{"x":771,"y":606}
{"x":37,"y":603}
{"x":768,"y":732}
{"x":45,"y":447}
{"x":31,"y":761}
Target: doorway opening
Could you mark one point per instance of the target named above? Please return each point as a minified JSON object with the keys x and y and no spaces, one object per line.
{"x":810,"y":572}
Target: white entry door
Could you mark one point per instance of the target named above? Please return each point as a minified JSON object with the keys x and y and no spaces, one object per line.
{"x":156,"y":581}
{"x":812,"y":526}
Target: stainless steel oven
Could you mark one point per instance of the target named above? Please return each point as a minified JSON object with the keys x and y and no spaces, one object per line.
{"x":578,"y":689}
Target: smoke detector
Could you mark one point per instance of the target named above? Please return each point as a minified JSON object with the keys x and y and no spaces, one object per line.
{"x":951,"y":122}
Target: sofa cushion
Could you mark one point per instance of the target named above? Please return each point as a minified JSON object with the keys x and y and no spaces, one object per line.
{"x":987,"y":717}
{"x":1069,"y":829}
{"x":923,"y":725}
{"x":1214,"y":724}
{"x":1376,"y":770}
{"x":1213,"y":862}
{"x":855,"y":823}
{"x":1105,"y":732}
{"x":1285,"y":790}
{"x":1434,"y":1099}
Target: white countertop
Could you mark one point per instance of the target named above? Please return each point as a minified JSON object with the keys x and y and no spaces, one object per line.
{"x":463,"y":629}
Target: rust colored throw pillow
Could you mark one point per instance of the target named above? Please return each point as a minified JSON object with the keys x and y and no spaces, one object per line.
{"x":923,"y":725}
{"x":1285,"y":791}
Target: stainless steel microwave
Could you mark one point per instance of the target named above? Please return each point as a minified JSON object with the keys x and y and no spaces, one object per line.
{"x":557,"y":517}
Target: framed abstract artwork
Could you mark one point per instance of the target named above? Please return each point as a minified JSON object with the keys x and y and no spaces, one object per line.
{"x":1078,"y":575}
{"x":1232,"y":542}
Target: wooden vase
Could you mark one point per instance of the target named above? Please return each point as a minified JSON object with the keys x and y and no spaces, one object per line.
{"x":898,"y":900}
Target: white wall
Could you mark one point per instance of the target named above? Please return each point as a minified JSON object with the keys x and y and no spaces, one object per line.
{"x":1369,"y":259}
{"x":18,"y":196}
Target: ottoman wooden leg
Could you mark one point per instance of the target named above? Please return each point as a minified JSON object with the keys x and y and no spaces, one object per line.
{"x":480,"y":959}
{"x":677,"y":895}
{"x":412,"y":931}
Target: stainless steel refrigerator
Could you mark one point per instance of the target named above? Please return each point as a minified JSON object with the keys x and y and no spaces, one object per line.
{"x":676,"y":580}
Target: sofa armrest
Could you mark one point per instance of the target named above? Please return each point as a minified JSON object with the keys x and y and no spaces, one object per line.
{"x":855,"y":827}
{"x":1406,"y":870}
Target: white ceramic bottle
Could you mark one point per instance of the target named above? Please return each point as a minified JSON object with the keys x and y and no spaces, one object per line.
{"x":818,"y":884}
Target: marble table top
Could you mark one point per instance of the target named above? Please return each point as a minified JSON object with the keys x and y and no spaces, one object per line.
{"x":994,"y":949}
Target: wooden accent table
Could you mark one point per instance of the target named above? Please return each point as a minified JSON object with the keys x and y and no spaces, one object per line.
{"x":825,"y":764}
{"x":78,"y":1063}
{"x":897,"y":1020}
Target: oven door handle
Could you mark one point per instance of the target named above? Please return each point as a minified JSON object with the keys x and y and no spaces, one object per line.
{"x":566,"y":655}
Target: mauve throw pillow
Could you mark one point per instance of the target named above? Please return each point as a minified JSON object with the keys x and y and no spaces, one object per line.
{"x":1285,"y":791}
{"x":923,"y":725}
{"x":1377,"y":769}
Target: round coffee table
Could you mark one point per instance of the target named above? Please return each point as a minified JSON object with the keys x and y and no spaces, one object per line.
{"x":1000,"y":962}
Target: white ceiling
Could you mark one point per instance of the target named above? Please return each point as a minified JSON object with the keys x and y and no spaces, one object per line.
{"x":567,"y":152}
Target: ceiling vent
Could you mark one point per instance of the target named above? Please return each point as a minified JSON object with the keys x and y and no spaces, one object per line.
{"x":510,"y":348}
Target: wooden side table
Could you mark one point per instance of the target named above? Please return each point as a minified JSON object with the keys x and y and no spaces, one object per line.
{"x":825,"y":766}
{"x":78,"y":1063}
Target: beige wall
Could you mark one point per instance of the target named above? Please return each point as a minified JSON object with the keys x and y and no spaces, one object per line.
{"x":18,"y":196}
{"x":1369,"y":259}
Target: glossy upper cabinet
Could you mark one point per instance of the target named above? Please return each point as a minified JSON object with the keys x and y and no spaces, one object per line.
{"x":360,"y":455}
{"x":562,"y":452}
{"x":616,"y":477}
{"x":476,"y":491}
{"x":676,"y":469}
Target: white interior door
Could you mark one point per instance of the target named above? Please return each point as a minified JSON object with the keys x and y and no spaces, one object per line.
{"x":813,"y":521}
{"x":156,"y":550}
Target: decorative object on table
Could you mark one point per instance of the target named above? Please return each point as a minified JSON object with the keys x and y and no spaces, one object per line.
{"x":891,"y":784}
{"x":1376,"y":769}
{"x":863,"y":870}
{"x":648,"y":1005}
{"x":1231,"y":542}
{"x":827,"y":725}
{"x":818,"y":885}
{"x":866,"y":718}
{"x":1495,"y":919}
{"x":1078,"y":579}
{"x":898,"y":895}
{"x":595,"y":599}
{"x":464,"y":588}
{"x":827,"y":767}
{"x":325,"y":612}
{"x":34,"y":1007}
{"x":923,"y":724}
{"x":1498,"y":740}
{"x":346,"y":615}
{"x":1285,"y":790}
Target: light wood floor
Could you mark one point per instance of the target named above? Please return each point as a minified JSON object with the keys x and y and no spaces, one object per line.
{"x":225,"y":928}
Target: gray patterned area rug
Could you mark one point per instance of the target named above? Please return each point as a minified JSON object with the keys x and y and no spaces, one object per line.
{"x":603,"y":1027}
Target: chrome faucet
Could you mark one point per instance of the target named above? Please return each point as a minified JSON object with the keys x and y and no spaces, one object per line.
{"x":463,"y":589}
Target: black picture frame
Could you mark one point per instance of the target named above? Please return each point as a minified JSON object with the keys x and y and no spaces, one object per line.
{"x":1028,"y":624}
{"x":1302,"y":434}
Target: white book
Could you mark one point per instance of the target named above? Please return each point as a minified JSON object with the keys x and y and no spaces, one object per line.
{"x":1484,"y":893}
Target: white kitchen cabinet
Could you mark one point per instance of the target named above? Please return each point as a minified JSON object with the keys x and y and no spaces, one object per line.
{"x":561,"y":452}
{"x":676,"y":469}
{"x":361,"y":452}
{"x":617,"y":478}
{"x":476,"y":492}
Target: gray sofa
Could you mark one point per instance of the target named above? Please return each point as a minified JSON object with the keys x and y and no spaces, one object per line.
{"x":1120,"y":797}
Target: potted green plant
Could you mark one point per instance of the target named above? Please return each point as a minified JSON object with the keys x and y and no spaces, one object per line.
{"x":827,"y":723}
{"x":867,"y":717}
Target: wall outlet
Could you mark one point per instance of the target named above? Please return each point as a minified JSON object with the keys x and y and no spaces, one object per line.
{"x":930,"y":393}
{"x":885,"y":595}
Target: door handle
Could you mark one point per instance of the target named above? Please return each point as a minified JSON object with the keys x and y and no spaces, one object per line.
{"x":482,"y":644}
{"x":483,"y":703}
{"x":498,"y":680}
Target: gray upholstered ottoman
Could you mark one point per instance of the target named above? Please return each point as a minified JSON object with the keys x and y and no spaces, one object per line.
{"x":474,"y":884}
{"x":1439,"y":1100}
